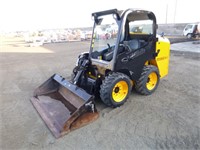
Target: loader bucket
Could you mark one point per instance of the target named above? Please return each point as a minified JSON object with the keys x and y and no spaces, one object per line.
{"x":62,"y":104}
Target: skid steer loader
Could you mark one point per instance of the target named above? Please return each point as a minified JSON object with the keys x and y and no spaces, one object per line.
{"x":125,"y":52}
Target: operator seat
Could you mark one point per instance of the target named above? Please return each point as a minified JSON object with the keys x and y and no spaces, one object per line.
{"x":133,"y":44}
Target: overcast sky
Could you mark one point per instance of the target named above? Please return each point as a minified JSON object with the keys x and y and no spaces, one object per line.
{"x":46,"y":14}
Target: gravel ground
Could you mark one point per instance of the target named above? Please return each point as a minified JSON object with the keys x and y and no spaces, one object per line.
{"x":167,"y":119}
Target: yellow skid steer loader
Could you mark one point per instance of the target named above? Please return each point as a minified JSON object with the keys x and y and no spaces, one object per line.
{"x":125,"y":52}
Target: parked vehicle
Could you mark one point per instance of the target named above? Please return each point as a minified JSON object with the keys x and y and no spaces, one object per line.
{"x":192,"y":30}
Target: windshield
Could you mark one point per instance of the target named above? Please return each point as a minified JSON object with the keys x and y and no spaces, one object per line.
{"x":105,"y":34}
{"x":188,"y":27}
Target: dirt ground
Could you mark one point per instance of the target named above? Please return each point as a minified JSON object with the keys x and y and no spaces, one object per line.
{"x":168,"y":119}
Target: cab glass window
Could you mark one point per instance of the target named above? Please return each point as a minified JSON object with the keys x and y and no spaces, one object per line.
{"x":141,"y":27}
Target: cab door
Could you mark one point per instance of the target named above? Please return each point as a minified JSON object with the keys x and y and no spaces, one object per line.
{"x":132,"y":60}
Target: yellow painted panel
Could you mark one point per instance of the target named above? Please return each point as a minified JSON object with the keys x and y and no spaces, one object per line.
{"x":162,"y":60}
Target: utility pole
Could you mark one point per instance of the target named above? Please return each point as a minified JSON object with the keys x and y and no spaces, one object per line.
{"x":166,"y":14}
{"x":175,"y":10}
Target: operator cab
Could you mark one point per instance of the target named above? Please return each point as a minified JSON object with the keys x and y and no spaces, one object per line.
{"x":116,"y":32}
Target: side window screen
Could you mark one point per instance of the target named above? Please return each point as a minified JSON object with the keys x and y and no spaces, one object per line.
{"x":141,"y":27}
